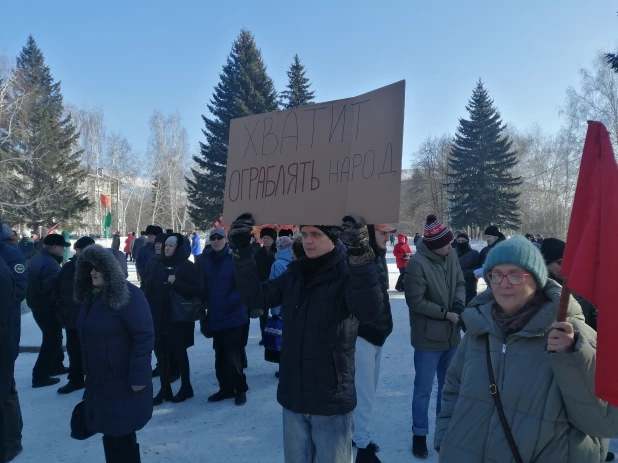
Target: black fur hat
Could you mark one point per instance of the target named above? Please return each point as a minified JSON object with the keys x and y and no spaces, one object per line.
{"x":115,"y":292}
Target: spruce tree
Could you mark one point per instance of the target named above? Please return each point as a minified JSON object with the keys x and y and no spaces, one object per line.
{"x":244,"y":89}
{"x":50,"y":167}
{"x":482,"y":189}
{"x":298,"y":91}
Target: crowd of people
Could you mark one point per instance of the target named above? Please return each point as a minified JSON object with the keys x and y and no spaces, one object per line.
{"x":513,"y":383}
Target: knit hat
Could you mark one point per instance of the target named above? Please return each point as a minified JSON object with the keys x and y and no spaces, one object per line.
{"x":492,"y":230}
{"x":436,"y":235}
{"x":83,"y":242}
{"x":268,"y":231}
{"x":329,"y":231}
{"x":552,"y":249}
{"x":160,"y":238}
{"x":284,"y":242}
{"x":463,"y":235}
{"x":172,"y":240}
{"x":521,"y":252}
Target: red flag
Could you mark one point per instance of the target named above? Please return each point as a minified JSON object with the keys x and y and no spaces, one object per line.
{"x":590,"y":256}
{"x":106,"y":201}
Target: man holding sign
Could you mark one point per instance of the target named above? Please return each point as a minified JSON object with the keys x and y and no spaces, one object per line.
{"x":323,"y":297}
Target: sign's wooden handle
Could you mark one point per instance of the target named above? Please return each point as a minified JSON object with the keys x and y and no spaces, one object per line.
{"x":563,"y":306}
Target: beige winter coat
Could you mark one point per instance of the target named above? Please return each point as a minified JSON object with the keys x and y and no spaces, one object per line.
{"x":548,"y":398}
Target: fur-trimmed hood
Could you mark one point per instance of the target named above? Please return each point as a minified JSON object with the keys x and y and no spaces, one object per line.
{"x":115,"y":292}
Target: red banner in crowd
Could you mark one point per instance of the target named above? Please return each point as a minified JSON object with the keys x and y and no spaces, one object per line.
{"x":106,"y":201}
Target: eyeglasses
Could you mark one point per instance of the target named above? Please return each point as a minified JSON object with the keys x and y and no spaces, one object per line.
{"x":216,"y":238}
{"x":513,"y":278}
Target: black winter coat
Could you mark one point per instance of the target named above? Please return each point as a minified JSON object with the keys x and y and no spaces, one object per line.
{"x":7,"y":358}
{"x":469,"y":261}
{"x":377,"y":332}
{"x":17,"y":265}
{"x":264,"y":260}
{"x":43,"y":271}
{"x":320,"y":322}
{"x":116,"y":242}
{"x":486,"y":249}
{"x":66,"y":308}
{"x":157,"y":290}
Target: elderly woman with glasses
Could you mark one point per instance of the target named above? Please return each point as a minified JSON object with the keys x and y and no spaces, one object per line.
{"x":521,"y":386}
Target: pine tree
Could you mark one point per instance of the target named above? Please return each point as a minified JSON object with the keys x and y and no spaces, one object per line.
{"x":50,"y":170}
{"x":244,"y":89}
{"x":481,"y":186}
{"x":298,"y":93}
{"x":612,"y":60}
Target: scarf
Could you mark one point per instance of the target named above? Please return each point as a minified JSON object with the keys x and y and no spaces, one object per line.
{"x":511,"y":324}
{"x":310,"y":267}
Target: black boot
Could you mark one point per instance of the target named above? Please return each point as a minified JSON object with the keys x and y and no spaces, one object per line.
{"x":419,"y":446}
{"x":367,"y":455}
{"x":610,"y":456}
{"x":185,"y":392}
{"x":165,"y":394}
{"x":222,"y":395}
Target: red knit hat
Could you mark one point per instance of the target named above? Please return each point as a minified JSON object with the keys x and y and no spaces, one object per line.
{"x":436,"y":235}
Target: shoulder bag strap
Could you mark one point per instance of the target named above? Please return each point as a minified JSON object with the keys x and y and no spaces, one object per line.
{"x":493,"y":389}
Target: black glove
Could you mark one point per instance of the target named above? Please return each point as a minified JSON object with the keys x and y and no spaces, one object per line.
{"x":355,"y":237}
{"x":239,"y":235}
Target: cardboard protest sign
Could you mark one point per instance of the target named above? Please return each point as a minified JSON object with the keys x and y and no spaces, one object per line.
{"x":318,"y":163}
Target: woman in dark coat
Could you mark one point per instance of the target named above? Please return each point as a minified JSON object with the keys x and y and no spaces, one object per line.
{"x":117,"y":336}
{"x":469,"y":261}
{"x":172,"y":272}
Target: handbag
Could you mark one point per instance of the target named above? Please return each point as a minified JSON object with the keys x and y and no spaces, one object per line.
{"x":185,"y":310}
{"x":79,"y":430}
{"x":273,"y":338}
{"x":493,"y":390}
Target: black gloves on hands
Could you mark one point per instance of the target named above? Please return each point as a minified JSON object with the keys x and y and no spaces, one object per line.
{"x":239,"y":235}
{"x":355,"y":237}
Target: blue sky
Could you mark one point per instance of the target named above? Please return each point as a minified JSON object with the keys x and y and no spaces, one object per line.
{"x":131,"y":57}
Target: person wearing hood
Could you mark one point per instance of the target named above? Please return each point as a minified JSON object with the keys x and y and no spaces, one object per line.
{"x":435,"y":294}
{"x":66,"y":311}
{"x":43,"y":271}
{"x":469,"y":261}
{"x":323,"y":296}
{"x":521,"y":387}
{"x":368,"y":355}
{"x":493,"y":236}
{"x":265,"y":258}
{"x":147,"y":251}
{"x":117,"y":336}
{"x":172,"y":271}
{"x":402,"y":253}
{"x":13,"y":423}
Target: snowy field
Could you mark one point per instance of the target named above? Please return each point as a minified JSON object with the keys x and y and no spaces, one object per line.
{"x":196,"y":431}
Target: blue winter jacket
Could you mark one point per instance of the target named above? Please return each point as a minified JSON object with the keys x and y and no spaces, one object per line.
{"x":218,"y":290}
{"x":282,"y":259}
{"x":16,"y":263}
{"x":144,"y":255}
{"x":43,"y":271}
{"x":196,"y":247}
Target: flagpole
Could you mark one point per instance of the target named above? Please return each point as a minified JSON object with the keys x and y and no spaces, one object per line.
{"x":563,"y":306}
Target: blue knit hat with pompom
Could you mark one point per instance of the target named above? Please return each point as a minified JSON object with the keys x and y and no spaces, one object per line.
{"x":521,"y":252}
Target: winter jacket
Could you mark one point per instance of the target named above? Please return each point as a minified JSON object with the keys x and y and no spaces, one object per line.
{"x":416,"y":239}
{"x":116,"y":242}
{"x":377,"y":331}
{"x":265,"y":258}
{"x":116,"y":333}
{"x":43,"y":271}
{"x":434,"y":286}
{"x":127,"y":244}
{"x":7,"y":356}
{"x":486,"y":249}
{"x":26,"y":246}
{"x":282,"y":260}
{"x":469,"y":261}
{"x":218,"y":290}
{"x":401,"y":249}
{"x":158,"y":291}
{"x":17,"y":265}
{"x":196,"y":246}
{"x":66,"y":307}
{"x":145,"y":253}
{"x":136,"y":245}
{"x":320,"y":322}
{"x":548,"y":398}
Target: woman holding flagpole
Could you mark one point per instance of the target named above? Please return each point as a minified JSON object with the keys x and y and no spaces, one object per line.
{"x":521,"y":386}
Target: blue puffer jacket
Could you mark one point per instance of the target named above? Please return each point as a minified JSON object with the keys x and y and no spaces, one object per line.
{"x":15,"y":261}
{"x":43,"y":271}
{"x":218,"y":290}
{"x":144,"y":255}
{"x":282,"y":260}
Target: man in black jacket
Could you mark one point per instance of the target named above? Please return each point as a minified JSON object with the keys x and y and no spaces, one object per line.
{"x":43,"y":272}
{"x":371,"y":338}
{"x":264,"y":259}
{"x":7,"y":359}
{"x":323,"y":296}
{"x":67,"y":310}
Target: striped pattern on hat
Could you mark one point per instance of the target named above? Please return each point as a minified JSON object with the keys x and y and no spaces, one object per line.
{"x":436,"y":235}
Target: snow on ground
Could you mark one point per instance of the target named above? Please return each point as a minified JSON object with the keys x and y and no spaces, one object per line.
{"x":196,"y":431}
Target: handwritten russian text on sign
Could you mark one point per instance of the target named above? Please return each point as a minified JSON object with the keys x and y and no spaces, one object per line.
{"x":318,"y":163}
